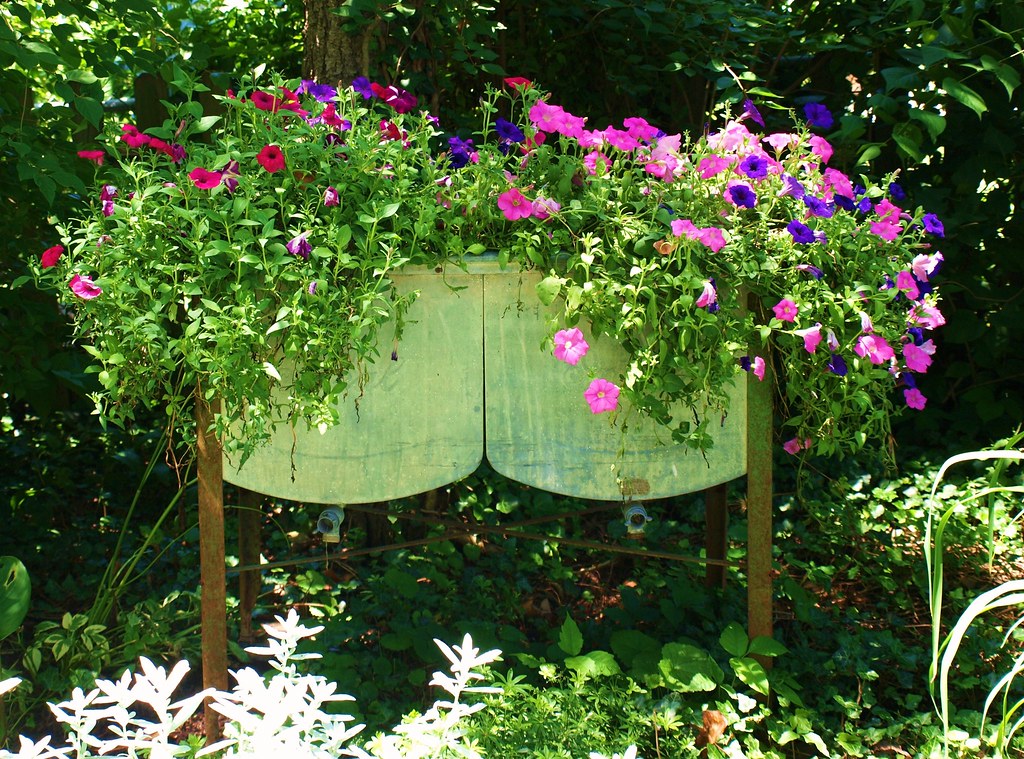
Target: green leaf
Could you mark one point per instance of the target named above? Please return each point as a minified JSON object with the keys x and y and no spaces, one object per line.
{"x":594,"y":664}
{"x":15,"y":591}
{"x":389,"y":210}
{"x":83,"y":76}
{"x":689,"y":669}
{"x":764,"y":645}
{"x":205,"y":123}
{"x":570,"y":639}
{"x":402,"y":582}
{"x":548,"y":289}
{"x":933,"y":122}
{"x":734,"y":639}
{"x":629,"y":644}
{"x":752,"y":672}
{"x":868,"y":154}
{"x":965,"y":95}
{"x":1006,"y":74}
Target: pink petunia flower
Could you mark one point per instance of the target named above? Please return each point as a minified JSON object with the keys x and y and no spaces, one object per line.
{"x":602,"y":396}
{"x":757,"y":366}
{"x":915,"y":398}
{"x":331,"y":197}
{"x":793,"y":446}
{"x":570,"y":346}
{"x":918,"y":357}
{"x":924,"y":265}
{"x":785,"y":310}
{"x":905,"y":283}
{"x":874,"y":348}
{"x":515,"y":205}
{"x":708,"y":295}
{"x":820,"y":147}
{"x":811,"y":336}
{"x":543,"y":207}
{"x":929,"y":317}
{"x":84,"y":287}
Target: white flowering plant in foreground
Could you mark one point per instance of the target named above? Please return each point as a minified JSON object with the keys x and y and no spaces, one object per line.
{"x":276,"y":717}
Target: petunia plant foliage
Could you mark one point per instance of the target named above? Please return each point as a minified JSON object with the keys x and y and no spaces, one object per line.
{"x":219,"y":248}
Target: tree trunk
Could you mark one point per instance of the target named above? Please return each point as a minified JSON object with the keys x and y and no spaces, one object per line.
{"x":330,"y":54}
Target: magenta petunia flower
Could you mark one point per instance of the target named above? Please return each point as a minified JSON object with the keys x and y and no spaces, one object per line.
{"x":299,"y":246}
{"x":96,"y":156}
{"x":785,"y":310}
{"x":820,"y":147}
{"x":874,"y":348}
{"x":811,"y":336}
{"x":271,"y":158}
{"x":331,"y":197}
{"x":711,"y":237}
{"x":570,"y":346}
{"x":602,"y":396}
{"x":515,"y":205}
{"x":51,"y":256}
{"x":518,"y":82}
{"x":925,"y":265}
{"x":915,"y":398}
{"x":708,"y":295}
{"x":84,"y":287}
{"x":205,"y":179}
{"x":905,"y":283}
{"x":918,"y":357}
{"x":757,"y":367}
{"x":107,"y":207}
{"x":543,"y":207}
{"x":793,"y":446}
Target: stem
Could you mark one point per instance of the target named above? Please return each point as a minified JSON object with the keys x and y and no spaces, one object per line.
{"x":102,"y":601}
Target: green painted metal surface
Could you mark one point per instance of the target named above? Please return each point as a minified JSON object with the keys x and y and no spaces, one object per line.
{"x":541,"y":432}
{"x":472,"y":376}
{"x":418,"y":425}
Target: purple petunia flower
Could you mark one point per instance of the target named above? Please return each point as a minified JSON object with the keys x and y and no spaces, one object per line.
{"x":362,"y":85}
{"x":508,"y":131}
{"x":801,"y":232}
{"x":933,"y":226}
{"x":896,"y":191}
{"x":461,"y":152}
{"x":750,"y":110}
{"x":818,"y":116}
{"x":814,"y":271}
{"x":791,"y":186}
{"x":818,"y":207}
{"x":837,"y":365}
{"x":741,"y":195}
{"x":754,"y":166}
{"x":323,"y":93}
{"x":844,"y":202}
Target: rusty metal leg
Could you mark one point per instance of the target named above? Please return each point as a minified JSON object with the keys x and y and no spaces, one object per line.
{"x":716,"y":522}
{"x":759,"y":505}
{"x":213,"y":600}
{"x":249,"y":549}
